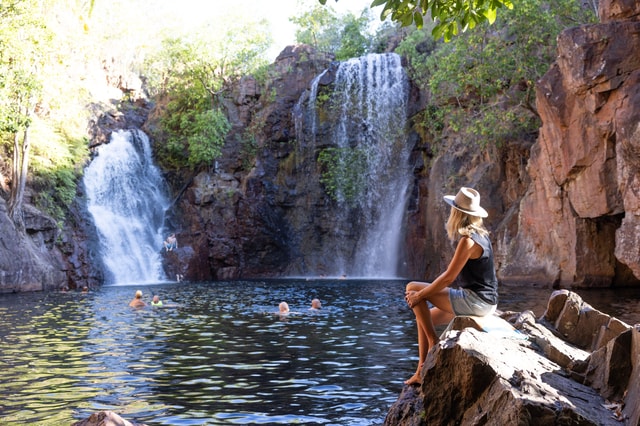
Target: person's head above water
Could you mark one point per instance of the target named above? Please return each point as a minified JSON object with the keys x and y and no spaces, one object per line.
{"x":315,"y":304}
{"x":284,"y":307}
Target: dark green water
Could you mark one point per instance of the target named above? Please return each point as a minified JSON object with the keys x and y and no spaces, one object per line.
{"x":221,"y":354}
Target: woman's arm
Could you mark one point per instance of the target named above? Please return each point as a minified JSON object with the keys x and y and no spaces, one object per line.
{"x":464,"y":251}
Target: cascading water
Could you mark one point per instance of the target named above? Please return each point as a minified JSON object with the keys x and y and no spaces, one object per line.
{"x":358,"y":123}
{"x":127,"y":198}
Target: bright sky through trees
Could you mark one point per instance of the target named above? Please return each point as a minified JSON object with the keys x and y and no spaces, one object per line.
{"x":277,"y":12}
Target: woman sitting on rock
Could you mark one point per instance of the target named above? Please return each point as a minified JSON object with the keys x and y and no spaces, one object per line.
{"x":473,"y":260}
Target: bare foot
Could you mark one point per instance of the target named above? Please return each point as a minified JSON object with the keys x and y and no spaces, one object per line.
{"x":414,"y":380}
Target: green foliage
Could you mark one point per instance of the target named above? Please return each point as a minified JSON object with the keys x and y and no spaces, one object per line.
{"x":482,"y":83}
{"x":416,"y":47}
{"x":24,"y":46}
{"x":205,"y":136}
{"x":316,"y":27}
{"x":346,"y":36}
{"x":56,"y":163}
{"x":55,"y":190}
{"x":195,"y":132}
{"x":451,"y":16}
{"x":215,"y":59}
{"x":195,"y":75}
{"x":39,"y":92}
{"x":249,"y":150}
{"x":343,"y":173}
{"x":353,"y":41}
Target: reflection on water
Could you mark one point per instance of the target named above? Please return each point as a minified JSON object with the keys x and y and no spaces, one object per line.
{"x":221,"y":354}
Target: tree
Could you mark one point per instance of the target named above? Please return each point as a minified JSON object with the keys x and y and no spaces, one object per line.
{"x":346,"y":36}
{"x":354,"y":41}
{"x":316,"y":27}
{"x":452,"y":16}
{"x":23,"y":55}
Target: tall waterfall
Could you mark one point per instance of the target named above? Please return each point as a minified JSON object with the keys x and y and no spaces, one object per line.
{"x":359,"y":121}
{"x":127,"y":199}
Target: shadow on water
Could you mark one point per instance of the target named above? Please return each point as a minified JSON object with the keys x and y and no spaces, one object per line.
{"x":218,"y":353}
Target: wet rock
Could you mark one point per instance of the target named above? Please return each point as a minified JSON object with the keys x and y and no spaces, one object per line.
{"x":106,"y":418}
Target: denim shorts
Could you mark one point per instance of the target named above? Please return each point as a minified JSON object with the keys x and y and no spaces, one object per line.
{"x":467,"y":302}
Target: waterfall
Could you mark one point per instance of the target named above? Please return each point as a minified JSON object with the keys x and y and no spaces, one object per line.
{"x":362,"y":132}
{"x":126,"y":196}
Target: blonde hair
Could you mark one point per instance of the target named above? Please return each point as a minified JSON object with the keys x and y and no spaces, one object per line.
{"x":463,"y":224}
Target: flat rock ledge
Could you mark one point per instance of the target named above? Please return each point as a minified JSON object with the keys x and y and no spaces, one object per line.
{"x":573,"y":366}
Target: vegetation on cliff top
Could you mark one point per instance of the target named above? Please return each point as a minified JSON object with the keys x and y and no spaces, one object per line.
{"x":194,"y":75}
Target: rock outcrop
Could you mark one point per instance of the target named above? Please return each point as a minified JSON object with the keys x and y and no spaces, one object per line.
{"x":28,"y":260}
{"x":579,"y":223}
{"x":545,"y":373}
{"x":106,"y":418}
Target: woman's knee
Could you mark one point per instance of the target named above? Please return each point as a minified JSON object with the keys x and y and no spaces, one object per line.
{"x":415,"y":286}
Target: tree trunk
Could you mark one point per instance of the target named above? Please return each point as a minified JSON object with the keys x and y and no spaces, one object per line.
{"x":19,"y":181}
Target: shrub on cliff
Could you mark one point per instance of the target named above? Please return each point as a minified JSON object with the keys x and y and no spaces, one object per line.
{"x":194,"y":75}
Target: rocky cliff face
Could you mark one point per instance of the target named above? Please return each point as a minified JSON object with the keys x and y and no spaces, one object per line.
{"x":28,"y":260}
{"x":231,"y":223}
{"x":564,"y":210}
{"x":579,"y":222}
{"x":272,"y":216}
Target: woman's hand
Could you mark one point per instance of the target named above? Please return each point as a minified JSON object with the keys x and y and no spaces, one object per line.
{"x":412,"y":298}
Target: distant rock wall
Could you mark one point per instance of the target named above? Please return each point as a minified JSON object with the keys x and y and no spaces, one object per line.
{"x":563,"y":210}
{"x":232,"y":221}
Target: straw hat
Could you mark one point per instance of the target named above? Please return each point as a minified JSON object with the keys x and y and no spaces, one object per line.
{"x":467,"y":200}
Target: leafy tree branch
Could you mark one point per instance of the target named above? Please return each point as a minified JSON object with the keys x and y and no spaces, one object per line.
{"x":451,"y":16}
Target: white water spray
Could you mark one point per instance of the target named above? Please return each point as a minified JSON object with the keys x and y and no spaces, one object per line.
{"x":371,"y":94}
{"x":126,"y":196}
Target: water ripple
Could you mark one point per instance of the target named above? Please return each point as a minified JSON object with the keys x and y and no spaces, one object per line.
{"x":219,"y":355}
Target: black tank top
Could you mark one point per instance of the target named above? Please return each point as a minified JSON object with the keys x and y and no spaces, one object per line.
{"x":479,"y":274}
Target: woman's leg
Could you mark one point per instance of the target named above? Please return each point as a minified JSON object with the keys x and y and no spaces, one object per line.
{"x":425,"y":338}
{"x":426,"y":331}
{"x":426,"y":319}
{"x":442,"y":313}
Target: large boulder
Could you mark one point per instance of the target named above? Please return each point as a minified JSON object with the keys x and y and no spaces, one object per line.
{"x":482,"y":374}
{"x":105,"y":418}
